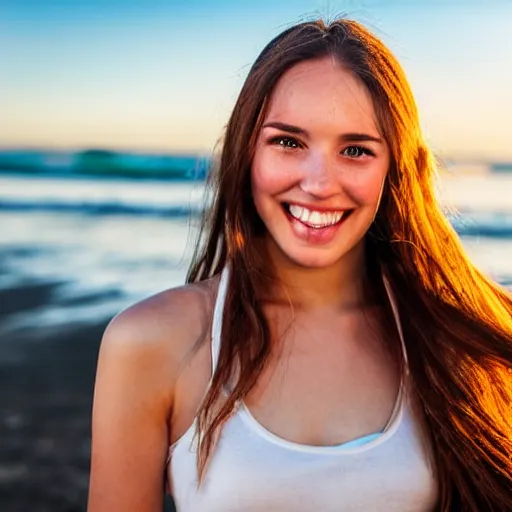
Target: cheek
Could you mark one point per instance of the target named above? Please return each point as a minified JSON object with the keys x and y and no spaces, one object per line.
{"x":366,"y":188}
{"x":270,"y":175}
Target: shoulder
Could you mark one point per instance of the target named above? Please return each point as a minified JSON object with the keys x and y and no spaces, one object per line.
{"x":141,"y":355}
{"x":146,"y":348}
{"x":167,"y":325}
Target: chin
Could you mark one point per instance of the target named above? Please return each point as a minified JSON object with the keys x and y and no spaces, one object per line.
{"x":316,"y":253}
{"x":313,"y":258}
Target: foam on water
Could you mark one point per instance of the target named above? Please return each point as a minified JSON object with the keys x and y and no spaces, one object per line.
{"x":137,"y":246}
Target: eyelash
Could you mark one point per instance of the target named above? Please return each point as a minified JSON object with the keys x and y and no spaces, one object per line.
{"x":277,"y":140}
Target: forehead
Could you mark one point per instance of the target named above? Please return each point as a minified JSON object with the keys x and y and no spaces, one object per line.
{"x":322,"y":92}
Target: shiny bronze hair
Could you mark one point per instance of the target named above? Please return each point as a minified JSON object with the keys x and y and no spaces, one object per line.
{"x":456,"y":322}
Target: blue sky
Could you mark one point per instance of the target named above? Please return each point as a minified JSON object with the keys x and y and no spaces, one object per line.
{"x":163,"y":75}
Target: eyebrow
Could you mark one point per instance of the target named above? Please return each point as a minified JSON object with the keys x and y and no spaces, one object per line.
{"x":345,"y":137}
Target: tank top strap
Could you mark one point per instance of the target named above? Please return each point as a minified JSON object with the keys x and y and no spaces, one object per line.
{"x":218,"y":312}
{"x":396,"y":315}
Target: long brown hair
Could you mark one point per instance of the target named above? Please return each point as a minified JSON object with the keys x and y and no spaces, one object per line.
{"x":456,"y":322}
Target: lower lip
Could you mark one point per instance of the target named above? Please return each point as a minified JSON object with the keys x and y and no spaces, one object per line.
{"x":317,"y":236}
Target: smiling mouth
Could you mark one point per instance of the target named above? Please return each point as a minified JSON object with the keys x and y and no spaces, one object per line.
{"x":313,"y":218}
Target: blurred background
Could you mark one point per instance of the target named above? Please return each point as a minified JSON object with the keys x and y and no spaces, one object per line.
{"x":110,"y":111}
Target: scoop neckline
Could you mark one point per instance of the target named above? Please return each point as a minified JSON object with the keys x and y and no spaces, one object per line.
{"x":248,"y":418}
{"x":339,"y":449}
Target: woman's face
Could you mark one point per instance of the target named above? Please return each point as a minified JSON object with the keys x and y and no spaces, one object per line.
{"x":319,"y":165}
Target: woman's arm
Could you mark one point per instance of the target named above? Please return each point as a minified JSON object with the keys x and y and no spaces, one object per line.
{"x":138,"y":364}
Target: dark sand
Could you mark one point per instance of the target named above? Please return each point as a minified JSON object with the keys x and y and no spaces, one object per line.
{"x":46,"y":389}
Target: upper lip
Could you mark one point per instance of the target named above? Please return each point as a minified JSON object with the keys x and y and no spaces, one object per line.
{"x":317,"y":208}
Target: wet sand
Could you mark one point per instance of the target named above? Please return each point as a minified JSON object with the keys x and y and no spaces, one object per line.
{"x":46,"y":389}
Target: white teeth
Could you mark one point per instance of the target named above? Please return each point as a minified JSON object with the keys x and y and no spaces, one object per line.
{"x":316,"y":218}
{"x":313,"y":218}
{"x":296,"y":211}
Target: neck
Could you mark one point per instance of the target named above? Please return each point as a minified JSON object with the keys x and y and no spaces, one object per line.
{"x":338,"y":286}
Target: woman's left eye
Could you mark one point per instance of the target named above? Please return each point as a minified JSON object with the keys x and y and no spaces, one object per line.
{"x":356,"y":152}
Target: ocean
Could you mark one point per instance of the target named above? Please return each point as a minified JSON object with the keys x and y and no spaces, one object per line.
{"x":108,"y":242}
{"x":74,"y":251}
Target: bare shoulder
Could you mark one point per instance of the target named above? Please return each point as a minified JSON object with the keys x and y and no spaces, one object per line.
{"x":141,"y":353}
{"x":167,"y":324}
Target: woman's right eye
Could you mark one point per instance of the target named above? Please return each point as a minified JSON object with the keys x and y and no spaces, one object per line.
{"x":285,"y":142}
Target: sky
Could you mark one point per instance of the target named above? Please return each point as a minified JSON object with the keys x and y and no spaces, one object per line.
{"x":163,"y":75}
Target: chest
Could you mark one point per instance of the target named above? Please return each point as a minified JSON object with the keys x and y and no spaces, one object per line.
{"x":252,"y":472}
{"x":328,"y":381}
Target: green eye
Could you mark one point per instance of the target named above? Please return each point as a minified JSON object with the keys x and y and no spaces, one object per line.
{"x":356,"y":152}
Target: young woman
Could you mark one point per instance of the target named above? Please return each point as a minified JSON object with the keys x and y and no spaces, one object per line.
{"x":334,"y":348}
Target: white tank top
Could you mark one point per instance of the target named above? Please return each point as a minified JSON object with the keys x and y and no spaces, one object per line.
{"x":253,"y":470}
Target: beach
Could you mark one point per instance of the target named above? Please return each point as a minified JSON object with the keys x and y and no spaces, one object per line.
{"x":73,"y":254}
{"x":46,"y":383}
{"x":46,"y":388}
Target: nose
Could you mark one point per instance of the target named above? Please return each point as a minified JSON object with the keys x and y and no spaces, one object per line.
{"x":319,"y":177}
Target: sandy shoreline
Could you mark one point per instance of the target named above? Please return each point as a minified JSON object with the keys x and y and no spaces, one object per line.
{"x":46,"y":388}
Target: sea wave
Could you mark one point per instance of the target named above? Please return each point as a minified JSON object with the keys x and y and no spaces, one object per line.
{"x":467,"y":223}
{"x":475,"y":207}
{"x":100,"y":209}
